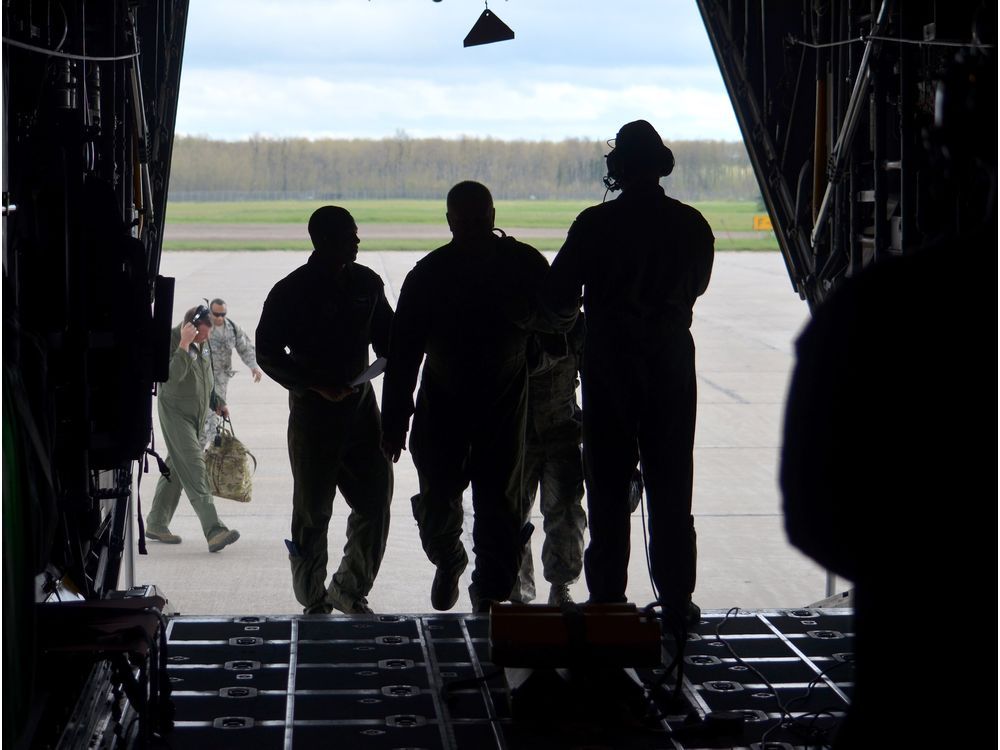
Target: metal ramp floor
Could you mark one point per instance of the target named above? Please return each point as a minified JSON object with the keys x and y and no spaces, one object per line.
{"x":376,"y":681}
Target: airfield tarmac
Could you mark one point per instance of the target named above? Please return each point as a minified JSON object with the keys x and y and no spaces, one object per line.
{"x":744,"y":329}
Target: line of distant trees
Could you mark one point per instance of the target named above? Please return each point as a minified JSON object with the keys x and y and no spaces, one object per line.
{"x":404,"y":167}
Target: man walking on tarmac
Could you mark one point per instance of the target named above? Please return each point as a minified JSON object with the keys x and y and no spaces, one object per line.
{"x":224,"y":337}
{"x":313,"y":339}
{"x":553,"y":469}
{"x":642,"y":261}
{"x":182,"y":403}
{"x":465,"y":306}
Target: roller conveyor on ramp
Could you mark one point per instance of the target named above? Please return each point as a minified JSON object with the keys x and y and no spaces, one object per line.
{"x":426,"y":681}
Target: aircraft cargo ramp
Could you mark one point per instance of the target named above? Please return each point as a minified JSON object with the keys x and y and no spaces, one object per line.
{"x":426,"y":681}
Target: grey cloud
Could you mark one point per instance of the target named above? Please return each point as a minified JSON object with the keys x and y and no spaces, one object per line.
{"x":262,"y":33}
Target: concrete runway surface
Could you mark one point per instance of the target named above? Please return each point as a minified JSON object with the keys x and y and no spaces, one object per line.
{"x":744,"y":329}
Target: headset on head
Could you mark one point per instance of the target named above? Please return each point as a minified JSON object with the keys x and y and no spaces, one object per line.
{"x":200,"y":313}
{"x":617,"y":170}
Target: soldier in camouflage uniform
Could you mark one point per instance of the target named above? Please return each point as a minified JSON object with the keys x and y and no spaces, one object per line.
{"x":225,"y":337}
{"x":182,"y":403}
{"x":553,"y":466}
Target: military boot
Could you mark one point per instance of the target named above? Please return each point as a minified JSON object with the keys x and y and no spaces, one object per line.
{"x":559,"y":595}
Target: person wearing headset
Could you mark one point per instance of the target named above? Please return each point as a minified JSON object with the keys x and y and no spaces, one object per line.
{"x":641,"y":260}
{"x":183,"y":403}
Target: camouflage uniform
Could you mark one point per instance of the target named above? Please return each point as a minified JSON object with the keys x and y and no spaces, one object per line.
{"x":182,"y":403}
{"x":221,"y":342}
{"x":331,"y":446}
{"x":552,"y":461}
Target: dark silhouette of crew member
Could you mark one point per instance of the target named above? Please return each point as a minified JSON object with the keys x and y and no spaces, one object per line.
{"x":465,"y":306}
{"x":313,"y":338}
{"x":881,"y":467}
{"x":641,"y":260}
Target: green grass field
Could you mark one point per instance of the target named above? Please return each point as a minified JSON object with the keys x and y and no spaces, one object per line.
{"x":545,"y":244}
{"x":512,"y":213}
{"x":721,"y":215}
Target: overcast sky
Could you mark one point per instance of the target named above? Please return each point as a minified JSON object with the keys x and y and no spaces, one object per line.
{"x":371,"y":68}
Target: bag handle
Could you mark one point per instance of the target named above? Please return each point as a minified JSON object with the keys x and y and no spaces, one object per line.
{"x":226,"y":428}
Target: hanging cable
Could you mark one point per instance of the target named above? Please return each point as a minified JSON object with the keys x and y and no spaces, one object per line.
{"x":878,"y":38}
{"x":931,"y":43}
{"x":68,"y":55}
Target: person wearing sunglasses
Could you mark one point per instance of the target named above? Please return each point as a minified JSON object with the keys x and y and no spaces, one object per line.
{"x":225,"y":336}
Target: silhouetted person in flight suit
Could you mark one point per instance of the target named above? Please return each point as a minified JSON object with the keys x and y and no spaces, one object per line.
{"x":313,"y":338}
{"x":465,"y":305}
{"x":642,"y":260}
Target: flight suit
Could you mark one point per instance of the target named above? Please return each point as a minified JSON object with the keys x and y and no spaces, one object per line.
{"x":465,"y":305}
{"x":182,"y":403}
{"x":327,"y":320}
{"x":642,"y":260}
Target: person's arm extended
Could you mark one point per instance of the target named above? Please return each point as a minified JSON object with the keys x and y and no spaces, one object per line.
{"x":381,"y":325}
{"x":564,"y":281}
{"x":218,"y":404}
{"x":406,"y":351}
{"x":244,"y":346}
